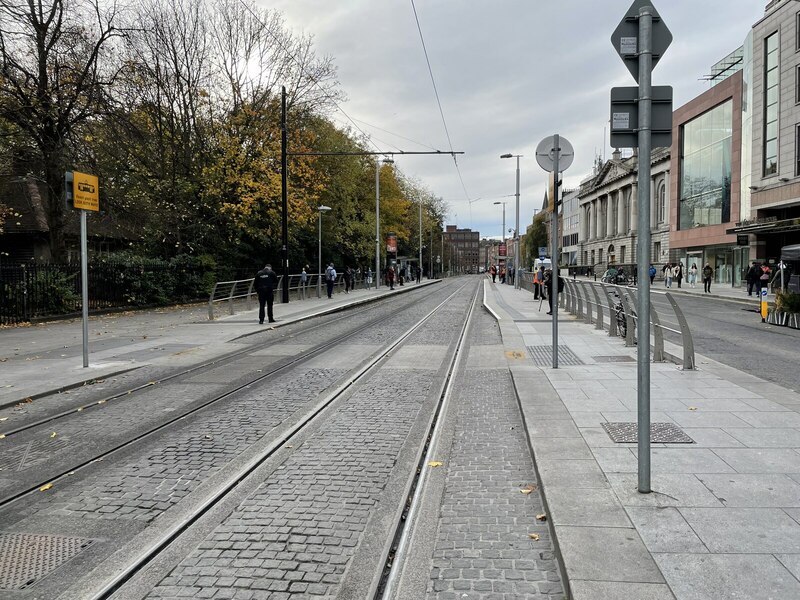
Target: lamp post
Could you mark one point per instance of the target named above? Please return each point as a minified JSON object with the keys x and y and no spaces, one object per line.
{"x":320,"y":210}
{"x":516,"y":227}
{"x":503,"y":237}
{"x":378,"y":163}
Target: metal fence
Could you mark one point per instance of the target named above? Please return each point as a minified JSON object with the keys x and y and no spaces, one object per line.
{"x":241,"y":293}
{"x":592,"y":301}
{"x":36,"y":290}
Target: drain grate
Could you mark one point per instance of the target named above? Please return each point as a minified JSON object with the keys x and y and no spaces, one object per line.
{"x":614,"y":359}
{"x":543,"y":356}
{"x":660,"y":433}
{"x":27,"y":558}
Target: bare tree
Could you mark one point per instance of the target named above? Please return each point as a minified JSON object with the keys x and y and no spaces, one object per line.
{"x":56,"y":65}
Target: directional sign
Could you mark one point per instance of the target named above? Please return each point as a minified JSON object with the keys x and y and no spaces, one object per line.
{"x":85,"y":191}
{"x":626,"y":37}
{"x":625,"y":117}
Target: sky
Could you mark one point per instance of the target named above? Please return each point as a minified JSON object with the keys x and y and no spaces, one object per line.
{"x":509,"y":73}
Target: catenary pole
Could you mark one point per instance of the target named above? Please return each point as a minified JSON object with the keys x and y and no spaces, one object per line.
{"x":516,"y":237}
{"x":643,"y":244}
{"x":284,"y":201}
{"x":85,"y":288}
{"x":377,"y":222}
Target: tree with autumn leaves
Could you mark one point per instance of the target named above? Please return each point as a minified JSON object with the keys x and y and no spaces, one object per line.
{"x":176,"y":107}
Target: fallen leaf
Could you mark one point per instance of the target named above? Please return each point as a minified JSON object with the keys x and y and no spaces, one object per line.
{"x":692,"y":408}
{"x":288,"y":446}
{"x":80,"y":408}
{"x":2,"y":436}
{"x":52,"y":435}
{"x":533,"y":536}
{"x":101,"y":401}
{"x":208,"y":437}
{"x":542,"y":517}
{"x":45,"y":487}
{"x":3,"y":419}
{"x":435,"y":463}
{"x":528,"y":489}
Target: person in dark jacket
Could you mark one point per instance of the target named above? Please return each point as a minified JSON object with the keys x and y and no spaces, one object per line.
{"x":548,"y":283}
{"x":752,"y":278}
{"x":265,"y":283}
{"x":347,"y":275}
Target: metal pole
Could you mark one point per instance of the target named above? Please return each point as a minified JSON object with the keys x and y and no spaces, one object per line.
{"x":419,"y":266}
{"x":377,"y":222}
{"x":85,"y":288}
{"x":643,"y":244}
{"x":516,"y":237}
{"x":284,"y":201}
{"x":319,"y":257}
{"x":554,"y":249}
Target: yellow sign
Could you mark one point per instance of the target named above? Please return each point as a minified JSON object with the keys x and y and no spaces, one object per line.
{"x":85,"y":191}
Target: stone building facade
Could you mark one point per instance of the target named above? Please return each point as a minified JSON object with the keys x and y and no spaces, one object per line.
{"x":608,"y":210}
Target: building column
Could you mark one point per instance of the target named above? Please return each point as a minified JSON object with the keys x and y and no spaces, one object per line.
{"x":621,"y":212}
{"x":609,"y":216}
{"x":591,"y":221}
{"x":632,"y":208}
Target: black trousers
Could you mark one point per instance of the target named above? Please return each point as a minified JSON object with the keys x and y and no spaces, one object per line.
{"x":265,"y":297}
{"x":707,"y":284}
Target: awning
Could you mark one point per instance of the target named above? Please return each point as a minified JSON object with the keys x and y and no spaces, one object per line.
{"x":775,"y":226}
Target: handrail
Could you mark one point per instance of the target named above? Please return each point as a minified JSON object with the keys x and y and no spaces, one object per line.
{"x":599,"y":319}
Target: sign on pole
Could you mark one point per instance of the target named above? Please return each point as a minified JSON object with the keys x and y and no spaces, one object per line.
{"x":626,"y":37}
{"x":554,"y":154}
{"x":625,"y":117}
{"x":85,"y":191}
{"x":641,"y":39}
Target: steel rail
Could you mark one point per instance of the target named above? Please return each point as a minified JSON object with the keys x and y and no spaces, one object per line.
{"x":404,"y":527}
{"x":172,"y":532}
{"x":104,"y":401}
{"x":306,"y":356}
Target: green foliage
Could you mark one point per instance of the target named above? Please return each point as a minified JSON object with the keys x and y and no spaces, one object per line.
{"x":54,"y":292}
{"x":194,"y":276}
{"x":788,"y":302}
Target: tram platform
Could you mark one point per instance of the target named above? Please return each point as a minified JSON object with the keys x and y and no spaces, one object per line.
{"x":46,"y":358}
{"x":723,"y":517}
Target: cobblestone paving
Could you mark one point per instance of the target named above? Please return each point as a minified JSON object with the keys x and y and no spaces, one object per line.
{"x":483,"y":549}
{"x":143,"y":488}
{"x":296,"y":535}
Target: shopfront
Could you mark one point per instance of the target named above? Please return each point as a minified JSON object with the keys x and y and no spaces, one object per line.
{"x":728,"y":262}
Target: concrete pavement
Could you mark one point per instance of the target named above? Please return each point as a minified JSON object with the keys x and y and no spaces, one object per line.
{"x":723,"y":519}
{"x":40,"y":359}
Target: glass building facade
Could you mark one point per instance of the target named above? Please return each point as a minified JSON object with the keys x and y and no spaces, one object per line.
{"x":705,"y":168}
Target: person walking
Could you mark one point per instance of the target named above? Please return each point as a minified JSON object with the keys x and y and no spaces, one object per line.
{"x":330,"y":279}
{"x":708,"y":273}
{"x":548,"y":278}
{"x":763,"y":278}
{"x":347,"y":275}
{"x":679,"y":274}
{"x":390,"y":277}
{"x":752,"y":278}
{"x":265,"y":283}
{"x":502,"y":275}
{"x":635,"y":274}
{"x":303,"y":282}
{"x":493,"y":271}
{"x":652,"y":273}
{"x":536,"y":285}
{"x":693,"y":275}
{"x":668,"y":275}
{"x":419,"y":274}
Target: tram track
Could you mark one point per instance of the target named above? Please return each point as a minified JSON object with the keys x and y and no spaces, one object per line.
{"x":286,"y":365}
{"x":104,"y":401}
{"x":146,"y":548}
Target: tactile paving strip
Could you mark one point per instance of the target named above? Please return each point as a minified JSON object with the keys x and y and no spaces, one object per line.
{"x":543,"y":356}
{"x":27,"y":558}
{"x":660,"y":433}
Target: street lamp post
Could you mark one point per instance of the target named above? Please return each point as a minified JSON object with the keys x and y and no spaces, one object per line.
{"x":516,"y":228}
{"x":378,"y":163}
{"x":320,"y":210}
{"x":503,"y":237}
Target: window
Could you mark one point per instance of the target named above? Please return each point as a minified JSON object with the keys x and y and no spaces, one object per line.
{"x":797,"y":150}
{"x":656,"y":252}
{"x":622,"y":254}
{"x":661,"y":202}
{"x":797,"y":84}
{"x":771,"y":92}
{"x":704,"y":192}
{"x":797,"y":32}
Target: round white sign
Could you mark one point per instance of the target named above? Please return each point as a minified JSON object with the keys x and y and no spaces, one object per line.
{"x":546,"y":150}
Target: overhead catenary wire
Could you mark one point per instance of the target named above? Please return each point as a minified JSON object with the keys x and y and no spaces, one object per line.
{"x":438,"y":100}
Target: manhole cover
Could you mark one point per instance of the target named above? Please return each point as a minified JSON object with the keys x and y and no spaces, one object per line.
{"x":613,"y":359}
{"x":543,"y":356}
{"x":27,"y":558}
{"x":660,"y":433}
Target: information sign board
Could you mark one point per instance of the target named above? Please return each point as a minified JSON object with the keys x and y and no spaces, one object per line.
{"x":85,"y":191}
